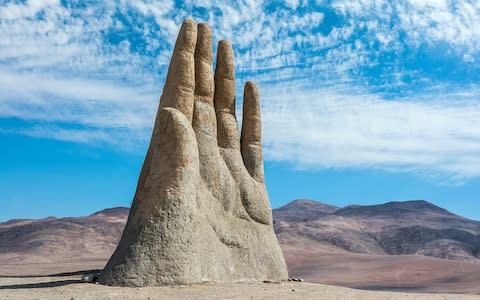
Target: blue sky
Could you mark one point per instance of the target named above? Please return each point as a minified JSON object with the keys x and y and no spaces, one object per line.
{"x":363,"y":101}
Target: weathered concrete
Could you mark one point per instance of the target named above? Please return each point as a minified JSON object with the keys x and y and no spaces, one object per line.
{"x":201,"y":210}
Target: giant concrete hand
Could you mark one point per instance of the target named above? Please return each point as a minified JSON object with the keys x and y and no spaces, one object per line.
{"x":201,"y":210}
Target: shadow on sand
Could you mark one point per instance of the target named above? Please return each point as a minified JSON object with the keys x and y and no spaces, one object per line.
{"x":53,"y":275}
{"x":40,"y":285}
{"x":48,"y":284}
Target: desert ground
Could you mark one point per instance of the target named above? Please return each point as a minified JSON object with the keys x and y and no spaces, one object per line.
{"x":405,"y":273}
{"x":327,"y":275}
{"x":321,"y":265}
{"x":71,"y":287}
{"x":32,"y":250}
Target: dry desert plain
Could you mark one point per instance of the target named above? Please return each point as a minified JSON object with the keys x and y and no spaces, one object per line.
{"x":70,"y":287}
{"x":32,"y":250}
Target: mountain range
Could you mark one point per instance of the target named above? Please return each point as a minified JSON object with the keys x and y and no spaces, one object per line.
{"x":395,"y":228}
{"x":409,"y":245}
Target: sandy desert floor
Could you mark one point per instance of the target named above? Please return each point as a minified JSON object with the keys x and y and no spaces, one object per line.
{"x":71,"y":287}
{"x":402,"y":273}
{"x":325,"y":273}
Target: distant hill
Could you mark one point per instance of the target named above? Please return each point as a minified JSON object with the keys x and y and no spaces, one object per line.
{"x":303,"y":210}
{"x":404,"y":246}
{"x":411,"y":245}
{"x":394,"y":209}
{"x":62,"y":239}
{"x":410,"y":227}
{"x":119,"y":212}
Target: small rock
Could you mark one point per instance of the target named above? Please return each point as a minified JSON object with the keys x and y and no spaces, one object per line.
{"x":90,"y":277}
{"x":271,"y":281}
{"x":295,"y":279}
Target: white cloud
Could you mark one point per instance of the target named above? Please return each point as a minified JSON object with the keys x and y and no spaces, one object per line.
{"x":292,"y":3}
{"x":455,"y":22}
{"x":84,"y":136}
{"x":80,"y":101}
{"x":331,"y":128}
{"x":29,"y":9}
{"x":101,"y":67}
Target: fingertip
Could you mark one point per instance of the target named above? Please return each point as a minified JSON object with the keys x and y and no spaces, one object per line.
{"x":250,"y":94}
{"x":188,"y":24}
{"x":203,"y":50}
{"x":204,"y":33}
{"x":224,"y":45}
{"x":225,"y":60}
{"x":250,"y":85}
{"x":204,"y":28}
{"x":187,"y":36}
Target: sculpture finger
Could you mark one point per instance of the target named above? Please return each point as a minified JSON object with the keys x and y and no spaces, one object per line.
{"x":227,"y":129}
{"x":251,"y":145}
{"x":204,"y":119}
{"x":180,"y":83}
{"x":173,"y":173}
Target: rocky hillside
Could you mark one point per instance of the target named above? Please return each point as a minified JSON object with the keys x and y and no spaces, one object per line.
{"x":321,"y":243}
{"x":44,"y":240}
{"x":303,"y":210}
{"x":395,"y":228}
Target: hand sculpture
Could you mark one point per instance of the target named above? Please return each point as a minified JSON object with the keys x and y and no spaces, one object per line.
{"x":201,"y":210}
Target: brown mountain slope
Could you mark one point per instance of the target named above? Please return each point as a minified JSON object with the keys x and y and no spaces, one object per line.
{"x":321,"y":243}
{"x":353,"y":247}
{"x":303,"y":210}
{"x":61,"y":239}
{"x":411,"y":227}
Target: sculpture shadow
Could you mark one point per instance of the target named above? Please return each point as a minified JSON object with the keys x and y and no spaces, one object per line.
{"x":48,"y":284}
{"x":40,"y":285}
{"x":64,"y":274}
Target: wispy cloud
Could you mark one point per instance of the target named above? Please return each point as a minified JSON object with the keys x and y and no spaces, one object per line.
{"x":382,"y":84}
{"x":83,"y":135}
{"x":331,"y":128}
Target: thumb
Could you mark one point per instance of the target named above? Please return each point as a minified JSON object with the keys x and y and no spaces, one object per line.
{"x":174,"y":165}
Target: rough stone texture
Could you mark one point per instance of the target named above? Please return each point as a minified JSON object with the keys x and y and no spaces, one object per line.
{"x":201,"y":210}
